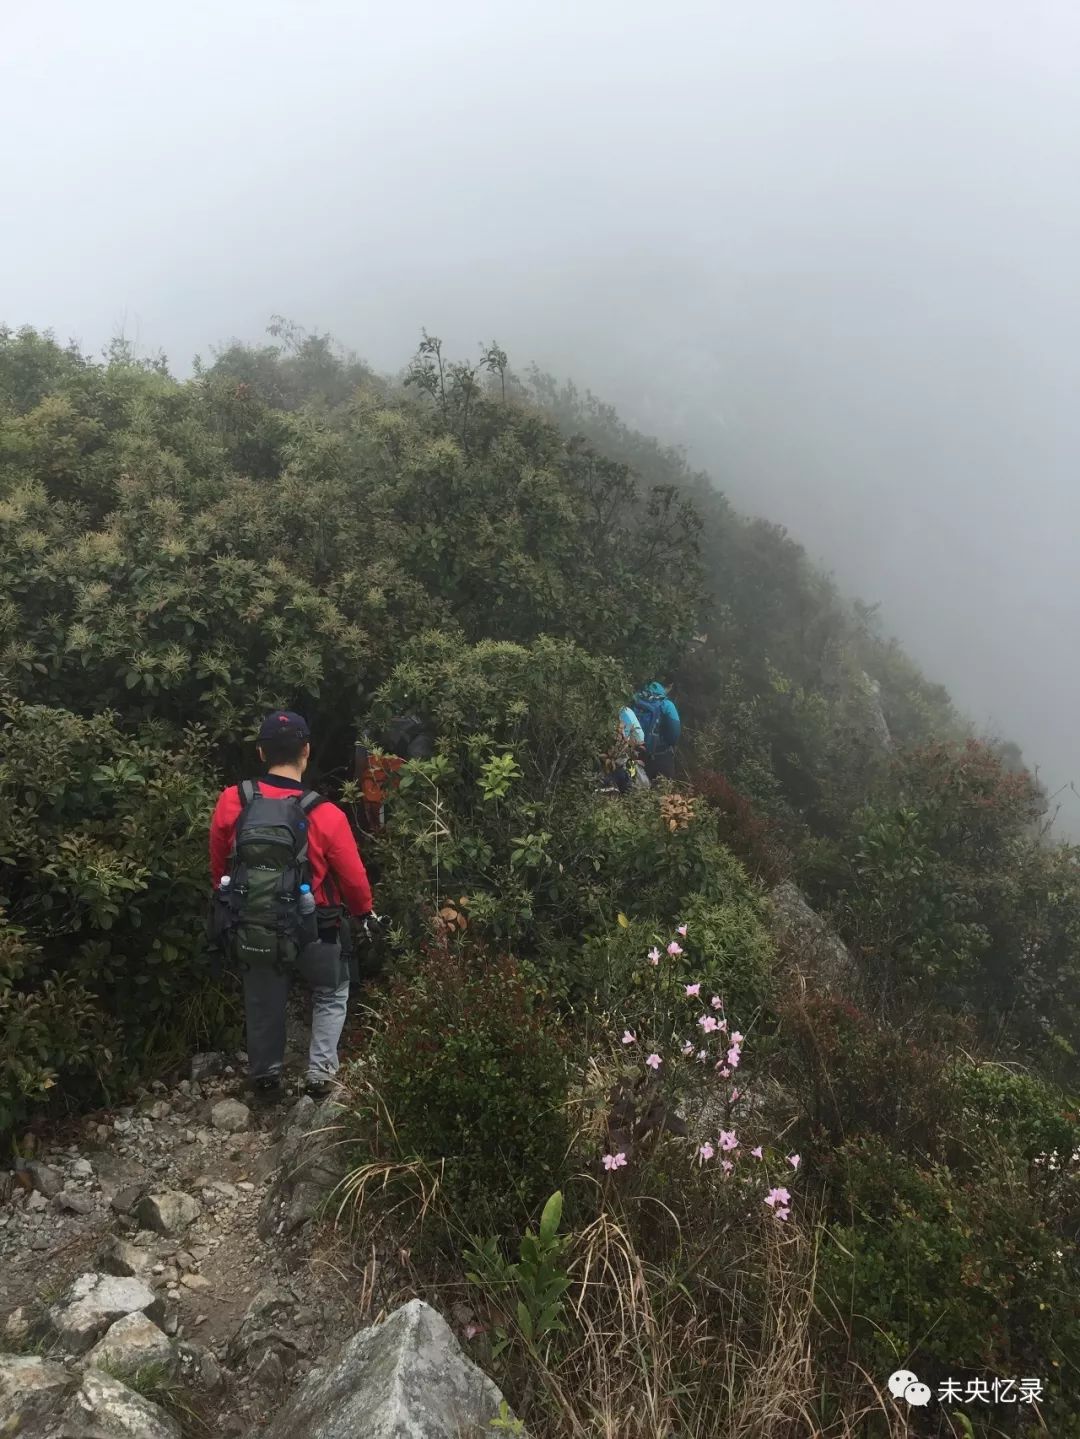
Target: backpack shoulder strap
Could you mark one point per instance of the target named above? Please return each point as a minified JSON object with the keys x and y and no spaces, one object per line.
{"x":246,"y":791}
{"x":310,"y":800}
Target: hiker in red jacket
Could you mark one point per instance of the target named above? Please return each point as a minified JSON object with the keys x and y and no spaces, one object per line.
{"x":274,"y":845}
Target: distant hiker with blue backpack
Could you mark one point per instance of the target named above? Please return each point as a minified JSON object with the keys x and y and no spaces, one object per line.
{"x":285,"y":869}
{"x":661,"y":726}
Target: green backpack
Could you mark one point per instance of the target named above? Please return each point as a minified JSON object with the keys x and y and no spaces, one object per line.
{"x":260,"y":920}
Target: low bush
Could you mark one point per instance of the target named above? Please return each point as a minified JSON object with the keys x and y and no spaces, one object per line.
{"x":469,"y":1073}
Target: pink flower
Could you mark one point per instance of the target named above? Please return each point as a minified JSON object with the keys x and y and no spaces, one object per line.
{"x":721,"y":1025}
{"x":781,"y":1213}
{"x":757,"y":1153}
{"x":674,"y":948}
{"x":725,"y":1073}
{"x":629,"y":1037}
{"x":681,"y":929}
{"x":702,"y":1055}
{"x":708,"y":1023}
{"x":728,"y":1140}
{"x":654,"y":955}
{"x":736,"y":1038}
{"x":716,"y":1002}
{"x":777,"y":1196}
{"x":654,"y":1061}
{"x":614,"y":1161}
{"x":688,"y":1047}
{"x":706,"y":1151}
{"x":734,"y":1095}
{"x":733,"y":1056}
{"x":794,"y":1160}
{"x":726,"y":1165}
{"x":693,"y":990}
{"x":472,"y":1330}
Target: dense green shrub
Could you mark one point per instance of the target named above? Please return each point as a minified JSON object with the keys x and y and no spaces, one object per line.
{"x":471,"y":1071}
{"x":950,"y":1277}
{"x":102,"y":885}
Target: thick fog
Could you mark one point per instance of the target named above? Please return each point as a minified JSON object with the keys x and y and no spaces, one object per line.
{"x":833,"y":248}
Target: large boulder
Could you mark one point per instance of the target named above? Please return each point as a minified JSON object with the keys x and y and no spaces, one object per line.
{"x":310,"y":1162}
{"x":405,"y":1379}
{"x":93,"y":1303}
{"x":231,"y":1116}
{"x":31,"y":1389}
{"x":108,"y":1409}
{"x":131,"y":1343}
{"x":810,"y":940}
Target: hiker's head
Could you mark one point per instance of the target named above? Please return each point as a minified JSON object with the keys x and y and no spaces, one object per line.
{"x":654,"y":691}
{"x":284,"y":739}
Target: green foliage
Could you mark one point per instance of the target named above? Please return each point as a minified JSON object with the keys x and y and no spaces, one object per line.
{"x":471,"y":1070}
{"x":528,"y":1293}
{"x":102,"y":877}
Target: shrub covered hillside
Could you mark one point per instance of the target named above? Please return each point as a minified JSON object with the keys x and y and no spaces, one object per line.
{"x":786,"y":1166}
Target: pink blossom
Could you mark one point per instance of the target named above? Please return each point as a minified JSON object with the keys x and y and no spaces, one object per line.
{"x":726,"y":1165}
{"x":716,"y":1002}
{"x":693,"y":990}
{"x":654,"y":955}
{"x":629,"y":1037}
{"x":781,"y":1213}
{"x":614,"y":1161}
{"x":654,"y":1061}
{"x":757,"y":1153}
{"x":681,"y":929}
{"x":794,"y":1160}
{"x":702,"y":1055}
{"x":725,"y":1073}
{"x":688,"y":1046}
{"x":734,"y":1095}
{"x":728,"y":1140}
{"x":674,"y":948}
{"x":706,"y":1151}
{"x":736,"y":1038}
{"x":708,"y":1023}
{"x":777,"y":1196}
{"x":721,"y":1025}
{"x":733,"y":1056}
{"x":472,"y":1330}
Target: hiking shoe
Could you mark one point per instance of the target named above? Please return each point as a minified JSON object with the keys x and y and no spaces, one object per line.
{"x":318,"y":1088}
{"x":268,"y":1089}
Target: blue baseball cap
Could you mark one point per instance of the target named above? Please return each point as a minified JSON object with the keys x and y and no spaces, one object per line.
{"x":286,"y":723}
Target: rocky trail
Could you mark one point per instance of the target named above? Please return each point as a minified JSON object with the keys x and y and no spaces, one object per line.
{"x":163,"y":1273}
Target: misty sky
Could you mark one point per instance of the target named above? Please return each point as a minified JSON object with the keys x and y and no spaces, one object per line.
{"x":833,"y":248}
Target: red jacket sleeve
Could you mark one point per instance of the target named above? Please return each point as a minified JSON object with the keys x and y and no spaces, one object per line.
{"x":343,"y":859}
{"x":222,"y":828}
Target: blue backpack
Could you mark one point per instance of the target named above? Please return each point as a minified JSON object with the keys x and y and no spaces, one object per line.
{"x":649,"y":713}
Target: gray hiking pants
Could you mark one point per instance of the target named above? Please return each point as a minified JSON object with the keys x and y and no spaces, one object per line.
{"x":266,"y":994}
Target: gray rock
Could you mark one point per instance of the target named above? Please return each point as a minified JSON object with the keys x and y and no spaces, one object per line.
{"x":169,"y":1212}
{"x":45,"y":1179}
{"x":31,"y":1389}
{"x":70,"y":1201}
{"x":37,"y":1201}
{"x":94,"y":1302}
{"x":312,"y":1159}
{"x":129,"y":1344}
{"x":82,"y":1169}
{"x":18,"y":1324}
{"x":206,"y":1066}
{"x":405,"y":1379}
{"x":125,"y":1199}
{"x":231,"y":1116}
{"x":121,"y":1257}
{"x":269,"y":1327}
{"x":811,"y":941}
{"x":111,"y":1410}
